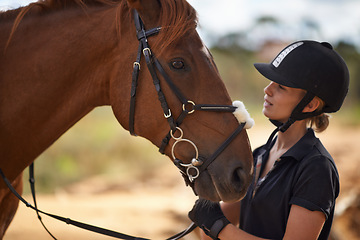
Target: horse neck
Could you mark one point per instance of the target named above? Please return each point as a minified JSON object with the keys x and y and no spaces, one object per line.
{"x":55,"y":70}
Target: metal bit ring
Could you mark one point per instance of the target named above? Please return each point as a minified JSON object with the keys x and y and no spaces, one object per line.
{"x":184,"y":140}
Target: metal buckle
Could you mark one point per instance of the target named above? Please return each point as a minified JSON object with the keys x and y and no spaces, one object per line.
{"x":167,"y":115}
{"x":136,"y":63}
{"x":146,"y":49}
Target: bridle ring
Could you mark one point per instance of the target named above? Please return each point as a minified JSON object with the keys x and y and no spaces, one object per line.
{"x":177,"y":138}
{"x":192,"y":107}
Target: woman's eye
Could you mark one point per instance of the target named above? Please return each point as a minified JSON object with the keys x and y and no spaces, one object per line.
{"x":281,"y":87}
{"x":177,"y":64}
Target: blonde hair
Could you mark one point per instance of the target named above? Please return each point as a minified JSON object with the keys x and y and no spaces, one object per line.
{"x":320,"y":122}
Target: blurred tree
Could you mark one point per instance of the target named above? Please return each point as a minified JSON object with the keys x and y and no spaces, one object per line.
{"x":352,"y":57}
{"x":236,"y":52}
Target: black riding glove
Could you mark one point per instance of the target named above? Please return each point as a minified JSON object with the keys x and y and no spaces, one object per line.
{"x":208,"y":216}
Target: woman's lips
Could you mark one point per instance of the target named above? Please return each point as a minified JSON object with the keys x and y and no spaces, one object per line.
{"x":267,"y":103}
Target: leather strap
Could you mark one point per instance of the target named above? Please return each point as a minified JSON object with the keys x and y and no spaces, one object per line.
{"x":222,"y":147}
{"x":217,"y":227}
{"x":134,"y":83}
{"x":78,"y":224}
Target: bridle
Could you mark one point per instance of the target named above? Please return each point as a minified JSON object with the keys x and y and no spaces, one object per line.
{"x":190,"y":171}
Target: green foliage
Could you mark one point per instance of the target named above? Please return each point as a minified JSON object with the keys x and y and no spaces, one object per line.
{"x":241,"y":79}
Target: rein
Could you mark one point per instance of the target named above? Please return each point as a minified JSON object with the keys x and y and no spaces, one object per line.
{"x":78,"y":224}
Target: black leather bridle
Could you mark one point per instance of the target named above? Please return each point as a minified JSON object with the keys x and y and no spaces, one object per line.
{"x":190,"y":171}
{"x":199,"y":164}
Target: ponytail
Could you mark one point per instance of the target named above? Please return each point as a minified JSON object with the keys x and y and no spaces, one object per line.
{"x":320,"y":122}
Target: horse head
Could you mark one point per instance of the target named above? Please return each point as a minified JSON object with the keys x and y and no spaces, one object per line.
{"x":186,"y":81}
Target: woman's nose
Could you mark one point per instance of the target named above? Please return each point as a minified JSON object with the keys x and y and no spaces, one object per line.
{"x":267,"y":89}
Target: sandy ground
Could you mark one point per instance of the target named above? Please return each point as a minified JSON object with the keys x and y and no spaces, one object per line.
{"x":141,"y":210}
{"x":158,"y":208}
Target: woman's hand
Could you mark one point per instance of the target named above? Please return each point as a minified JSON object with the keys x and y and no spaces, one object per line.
{"x":208,"y":216}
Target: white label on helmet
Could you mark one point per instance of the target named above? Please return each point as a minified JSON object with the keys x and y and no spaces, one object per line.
{"x":284,"y":53}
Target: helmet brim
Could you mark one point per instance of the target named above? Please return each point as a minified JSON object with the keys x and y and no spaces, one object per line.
{"x":269,"y":72}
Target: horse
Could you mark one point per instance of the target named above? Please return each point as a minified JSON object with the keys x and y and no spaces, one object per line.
{"x":60,"y":59}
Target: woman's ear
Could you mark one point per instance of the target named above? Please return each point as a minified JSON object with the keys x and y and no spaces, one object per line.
{"x":313,"y":105}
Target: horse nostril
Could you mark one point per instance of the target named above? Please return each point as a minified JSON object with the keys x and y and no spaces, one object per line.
{"x":236,"y":175}
{"x":238,"y":179}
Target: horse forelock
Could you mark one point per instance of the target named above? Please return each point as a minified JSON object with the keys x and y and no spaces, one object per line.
{"x":177,"y":18}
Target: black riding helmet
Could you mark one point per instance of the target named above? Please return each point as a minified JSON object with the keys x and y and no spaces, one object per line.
{"x":314,"y":67}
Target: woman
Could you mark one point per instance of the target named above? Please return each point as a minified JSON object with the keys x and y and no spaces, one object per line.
{"x":296,"y":182}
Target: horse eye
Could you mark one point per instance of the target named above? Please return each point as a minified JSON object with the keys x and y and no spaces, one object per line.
{"x":177,"y":64}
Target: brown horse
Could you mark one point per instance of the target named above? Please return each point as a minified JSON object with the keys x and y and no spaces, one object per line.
{"x":59,"y":59}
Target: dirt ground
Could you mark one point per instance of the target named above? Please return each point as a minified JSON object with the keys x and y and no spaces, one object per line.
{"x":157,"y":208}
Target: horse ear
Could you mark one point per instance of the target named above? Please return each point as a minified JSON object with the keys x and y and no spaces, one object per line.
{"x":149,"y":11}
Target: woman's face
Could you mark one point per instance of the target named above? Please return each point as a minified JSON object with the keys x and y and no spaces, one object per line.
{"x":280,"y":101}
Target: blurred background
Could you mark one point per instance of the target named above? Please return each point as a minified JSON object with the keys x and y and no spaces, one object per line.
{"x":98,"y":173}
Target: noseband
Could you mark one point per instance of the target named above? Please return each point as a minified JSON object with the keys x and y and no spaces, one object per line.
{"x":198,"y":164}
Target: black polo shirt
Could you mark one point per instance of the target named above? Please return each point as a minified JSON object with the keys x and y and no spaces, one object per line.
{"x":305,"y":175}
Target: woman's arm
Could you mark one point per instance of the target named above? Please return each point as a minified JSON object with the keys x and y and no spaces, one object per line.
{"x":302,"y":224}
{"x":231,"y":212}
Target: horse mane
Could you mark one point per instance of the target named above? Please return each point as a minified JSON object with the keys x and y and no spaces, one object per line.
{"x":45,"y":6}
{"x":177,"y":18}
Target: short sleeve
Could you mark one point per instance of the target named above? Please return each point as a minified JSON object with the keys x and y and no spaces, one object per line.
{"x":316,"y":185}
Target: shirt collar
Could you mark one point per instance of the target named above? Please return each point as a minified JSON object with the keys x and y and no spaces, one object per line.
{"x":301,"y":148}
